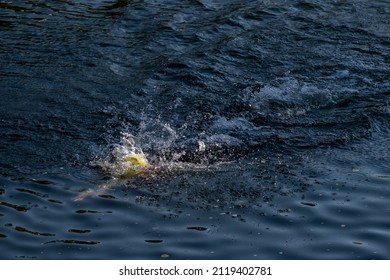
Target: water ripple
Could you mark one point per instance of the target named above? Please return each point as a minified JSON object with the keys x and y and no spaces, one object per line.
{"x":265,"y":125}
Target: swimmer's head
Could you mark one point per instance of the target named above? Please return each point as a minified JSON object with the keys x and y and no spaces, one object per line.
{"x":137,"y":160}
{"x":134,"y":164}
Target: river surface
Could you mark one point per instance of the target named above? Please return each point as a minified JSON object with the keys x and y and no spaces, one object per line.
{"x":265,"y":124}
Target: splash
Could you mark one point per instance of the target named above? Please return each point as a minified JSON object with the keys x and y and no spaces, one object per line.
{"x":153,"y":153}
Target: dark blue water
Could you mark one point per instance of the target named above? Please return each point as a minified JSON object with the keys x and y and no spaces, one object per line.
{"x":266,"y":124}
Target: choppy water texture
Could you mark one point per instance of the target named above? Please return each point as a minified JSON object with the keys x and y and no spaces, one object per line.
{"x":265,"y":124}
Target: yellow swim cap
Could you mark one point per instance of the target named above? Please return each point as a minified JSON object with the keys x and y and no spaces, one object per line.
{"x":137,"y":159}
{"x":135,"y":163}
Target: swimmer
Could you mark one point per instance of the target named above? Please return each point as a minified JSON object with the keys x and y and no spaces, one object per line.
{"x":122,"y":166}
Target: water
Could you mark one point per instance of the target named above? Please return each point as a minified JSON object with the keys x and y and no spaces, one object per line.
{"x":265,"y":123}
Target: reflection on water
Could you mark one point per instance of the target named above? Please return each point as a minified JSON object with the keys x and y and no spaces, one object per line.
{"x":264,"y":124}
